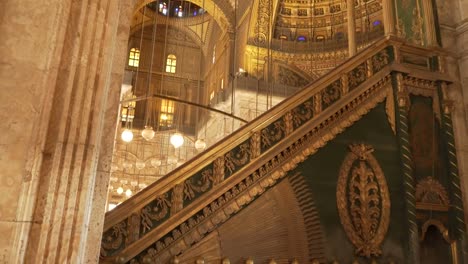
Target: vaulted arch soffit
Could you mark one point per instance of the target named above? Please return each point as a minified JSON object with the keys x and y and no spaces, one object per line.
{"x":192,"y":29}
{"x":222,"y":11}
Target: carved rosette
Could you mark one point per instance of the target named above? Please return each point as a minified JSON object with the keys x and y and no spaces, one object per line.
{"x":363,"y":200}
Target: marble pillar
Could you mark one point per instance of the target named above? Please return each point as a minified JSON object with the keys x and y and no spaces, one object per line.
{"x":352,"y":47}
{"x":429,"y":22}
{"x":60,"y":66}
{"x":388,"y":17}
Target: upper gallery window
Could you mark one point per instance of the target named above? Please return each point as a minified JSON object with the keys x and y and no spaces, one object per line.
{"x":134,"y":57}
{"x":171,"y":63}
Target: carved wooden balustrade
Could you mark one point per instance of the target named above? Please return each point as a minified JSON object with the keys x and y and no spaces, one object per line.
{"x":174,"y":213}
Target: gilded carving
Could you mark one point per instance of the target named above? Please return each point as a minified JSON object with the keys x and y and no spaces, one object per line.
{"x":114,"y":239}
{"x":302,"y":114}
{"x":270,"y":135}
{"x":291,"y":78}
{"x":331,"y":94}
{"x":191,"y":188}
{"x":400,"y":29}
{"x":218,"y":171}
{"x":430,"y":191}
{"x":357,"y":76}
{"x":380,"y":60}
{"x":417,"y":27}
{"x":177,"y":198}
{"x":154,"y":212}
{"x":237,"y":158}
{"x":363,"y":200}
{"x":255,"y":141}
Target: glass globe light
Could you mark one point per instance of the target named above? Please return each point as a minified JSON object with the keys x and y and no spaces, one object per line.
{"x":133,"y":183}
{"x":155,"y":162}
{"x":120,"y":190}
{"x":171,"y":159}
{"x":128,"y":193}
{"x":148,"y":133}
{"x":140,"y":164}
{"x":114,"y":168}
{"x":127,"y":165}
{"x":177,"y":140}
{"x":127,"y":135}
{"x":200,"y":144}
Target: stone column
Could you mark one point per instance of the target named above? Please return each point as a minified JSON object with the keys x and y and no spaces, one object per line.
{"x":68,"y":174}
{"x":429,"y":22}
{"x":388,"y":17}
{"x":403,"y":104}
{"x":59,"y":58}
{"x":352,"y":47}
{"x":30,"y":56}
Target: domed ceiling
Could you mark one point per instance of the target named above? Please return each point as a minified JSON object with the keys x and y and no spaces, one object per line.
{"x":318,"y":20}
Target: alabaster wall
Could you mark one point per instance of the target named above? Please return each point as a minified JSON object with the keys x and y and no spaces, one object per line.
{"x":453,"y":20}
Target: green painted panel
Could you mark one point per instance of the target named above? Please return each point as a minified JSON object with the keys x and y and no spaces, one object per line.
{"x":321,"y":172}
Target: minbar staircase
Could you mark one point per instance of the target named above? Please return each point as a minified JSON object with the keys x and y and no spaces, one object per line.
{"x":176,"y":212}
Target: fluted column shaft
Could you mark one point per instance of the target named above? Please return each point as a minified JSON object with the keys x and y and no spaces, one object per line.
{"x":429,"y":22}
{"x":388,"y":17}
{"x":352,"y":47}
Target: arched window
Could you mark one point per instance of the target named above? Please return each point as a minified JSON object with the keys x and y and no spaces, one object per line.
{"x":171,"y":63}
{"x":166,"y":118}
{"x":134,"y":57}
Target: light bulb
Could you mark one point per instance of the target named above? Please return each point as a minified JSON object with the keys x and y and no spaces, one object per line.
{"x":120,"y":190}
{"x":140,"y":164}
{"x":171,"y":160}
{"x":200,"y":144}
{"x":177,"y":140}
{"x":155,"y":162}
{"x":127,"y":165}
{"x":127,"y":135}
{"x":148,"y":133}
{"x":128,"y":192}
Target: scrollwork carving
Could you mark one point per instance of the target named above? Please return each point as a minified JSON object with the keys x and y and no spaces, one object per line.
{"x":357,"y":76}
{"x":302,"y":113}
{"x":430,"y":191}
{"x":114,"y":239}
{"x":237,"y":157}
{"x":154,"y":212}
{"x":363,"y":200}
{"x":202,"y":185}
{"x":271,"y":135}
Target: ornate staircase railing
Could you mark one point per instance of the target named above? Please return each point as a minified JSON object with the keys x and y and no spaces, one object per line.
{"x":179,"y":210}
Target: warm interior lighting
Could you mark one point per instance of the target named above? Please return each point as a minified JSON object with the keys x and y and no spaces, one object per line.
{"x":120,"y":190}
{"x":140,"y":164}
{"x":128,"y":193}
{"x":200,"y":144}
{"x":177,"y":140}
{"x":127,"y":135}
{"x":111,"y":206}
{"x":148,"y":133}
{"x":155,"y":163}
